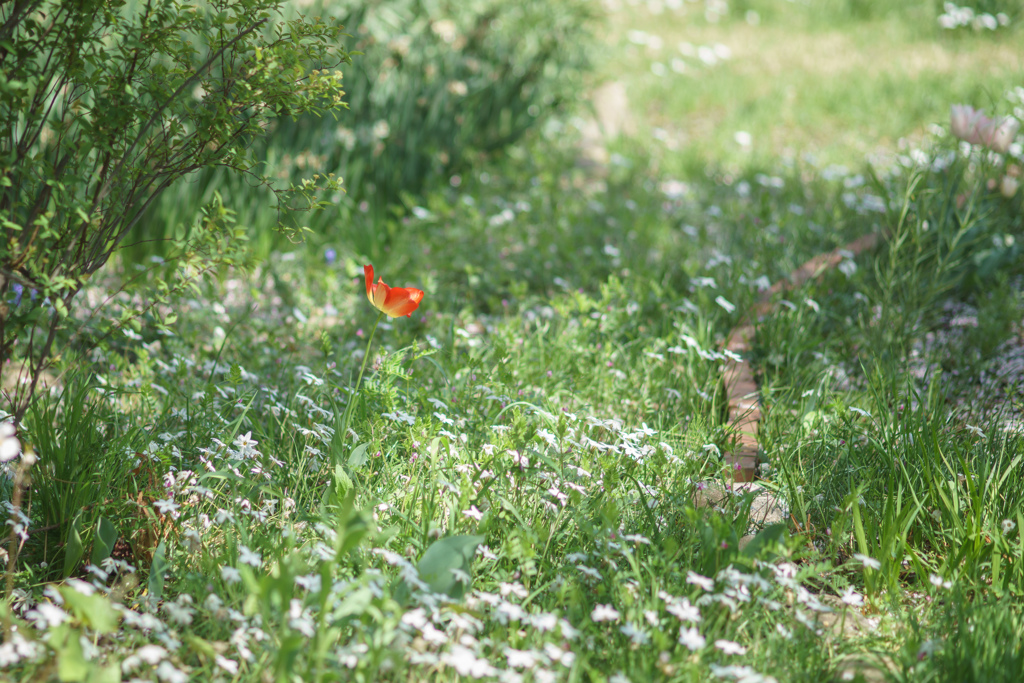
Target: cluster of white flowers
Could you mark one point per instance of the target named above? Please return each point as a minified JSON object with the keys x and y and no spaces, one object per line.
{"x":955,"y":17}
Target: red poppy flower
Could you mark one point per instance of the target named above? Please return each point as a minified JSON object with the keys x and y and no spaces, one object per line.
{"x":394,"y":301}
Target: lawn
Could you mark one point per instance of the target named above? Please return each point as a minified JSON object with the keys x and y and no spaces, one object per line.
{"x":531,"y":476}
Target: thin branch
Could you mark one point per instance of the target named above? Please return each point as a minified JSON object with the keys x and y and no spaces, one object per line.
{"x":177,"y":93}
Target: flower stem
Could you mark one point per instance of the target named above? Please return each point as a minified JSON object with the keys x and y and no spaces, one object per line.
{"x":359,"y":381}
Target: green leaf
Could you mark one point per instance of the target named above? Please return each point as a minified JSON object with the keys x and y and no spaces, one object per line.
{"x":156,"y":574}
{"x":358,"y":456}
{"x":444,"y":559}
{"x":103,"y":545}
{"x":105,"y":674}
{"x":765,"y":540}
{"x":342,"y":482}
{"x":73,"y":549}
{"x":95,"y":611}
{"x":71,"y":664}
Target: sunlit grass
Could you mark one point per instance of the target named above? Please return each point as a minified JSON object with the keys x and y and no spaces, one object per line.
{"x":527,"y":484}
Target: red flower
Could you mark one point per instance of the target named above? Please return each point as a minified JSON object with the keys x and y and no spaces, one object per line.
{"x":394,"y":301}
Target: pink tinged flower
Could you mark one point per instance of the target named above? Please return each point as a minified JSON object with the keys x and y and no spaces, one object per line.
{"x":10,"y":447}
{"x":966,"y":121}
{"x":229,"y":665}
{"x":999,"y":137}
{"x":700,"y":581}
{"x":474,"y":513}
{"x":959,"y":115}
{"x":1008,"y":186}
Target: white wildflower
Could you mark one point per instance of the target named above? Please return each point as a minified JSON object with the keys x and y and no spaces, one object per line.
{"x":869,"y":562}
{"x":249,"y":557}
{"x":730,"y":648}
{"x":691,"y":638}
{"x":230,"y":574}
{"x":700,"y":581}
{"x":604,"y":613}
{"x":852,"y":597}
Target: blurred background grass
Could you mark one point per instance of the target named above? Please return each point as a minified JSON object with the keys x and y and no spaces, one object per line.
{"x":440,"y":85}
{"x":711,"y":87}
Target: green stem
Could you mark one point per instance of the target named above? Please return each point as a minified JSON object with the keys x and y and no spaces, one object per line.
{"x":359,"y":381}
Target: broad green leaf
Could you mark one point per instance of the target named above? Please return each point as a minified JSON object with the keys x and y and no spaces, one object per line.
{"x":105,"y":674}
{"x":71,"y":664}
{"x":444,"y":560}
{"x":358,"y":456}
{"x":156,"y":574}
{"x":766,"y":539}
{"x":73,"y":549}
{"x":95,"y":611}
{"x":103,"y":544}
{"x":342,"y":482}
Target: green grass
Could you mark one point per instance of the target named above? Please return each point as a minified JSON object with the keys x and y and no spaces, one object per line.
{"x":518,"y":497}
{"x":802,"y":80}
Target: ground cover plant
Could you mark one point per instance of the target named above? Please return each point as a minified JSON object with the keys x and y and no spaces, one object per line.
{"x":506,"y":462}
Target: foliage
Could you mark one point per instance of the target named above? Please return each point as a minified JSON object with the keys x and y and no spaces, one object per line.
{"x":439,"y":85}
{"x":523,"y":480}
{"x":104,"y":105}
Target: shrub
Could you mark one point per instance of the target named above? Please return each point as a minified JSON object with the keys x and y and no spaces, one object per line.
{"x":103,"y":106}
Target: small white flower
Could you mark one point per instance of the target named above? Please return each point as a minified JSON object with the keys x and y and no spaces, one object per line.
{"x":520,"y":659}
{"x":691,"y":638}
{"x":245,"y":440}
{"x":700,"y":581}
{"x":939,"y":582}
{"x":10,"y":447}
{"x":151,"y":654}
{"x":229,"y":665}
{"x":166,"y":506}
{"x":1008,"y":525}
{"x":179,"y":614}
{"x":977,"y":431}
{"x":725,"y":303}
{"x":684,"y":611}
{"x":230,"y":574}
{"x":47,"y":615}
{"x":168,"y":673}
{"x":604,"y":613}
{"x":868,"y":562}
{"x":637,"y":635}
{"x":249,"y":557}
{"x":730,"y":648}
{"x":852,"y":597}
{"x":474,"y":513}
